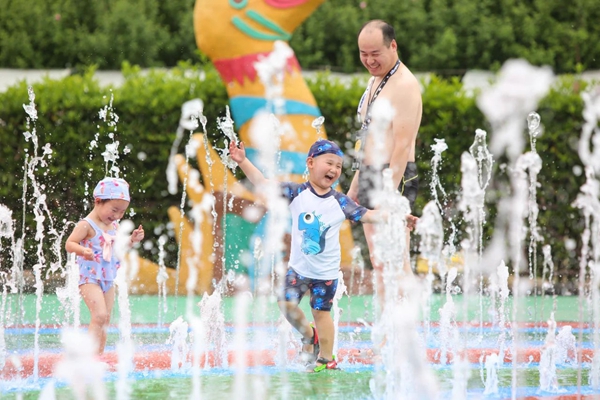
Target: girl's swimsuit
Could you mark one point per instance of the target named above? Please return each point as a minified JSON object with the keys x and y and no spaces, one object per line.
{"x":101,"y":271}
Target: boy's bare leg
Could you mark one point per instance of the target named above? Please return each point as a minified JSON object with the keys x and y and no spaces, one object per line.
{"x":295,"y":316}
{"x":326,"y":332}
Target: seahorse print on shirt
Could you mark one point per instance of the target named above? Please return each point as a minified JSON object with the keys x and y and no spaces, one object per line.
{"x":313,"y":239}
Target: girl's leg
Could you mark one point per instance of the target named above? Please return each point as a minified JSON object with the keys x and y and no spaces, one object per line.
{"x":109,"y":300}
{"x":95,"y":301}
{"x":326,"y":330}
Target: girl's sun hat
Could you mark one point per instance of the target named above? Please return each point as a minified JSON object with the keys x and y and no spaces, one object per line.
{"x":112,"y":189}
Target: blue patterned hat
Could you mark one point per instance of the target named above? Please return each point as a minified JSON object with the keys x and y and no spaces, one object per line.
{"x":324,"y":146}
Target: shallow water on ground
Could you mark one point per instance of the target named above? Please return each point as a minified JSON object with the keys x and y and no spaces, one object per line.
{"x":273,"y":382}
{"x":349,"y":383}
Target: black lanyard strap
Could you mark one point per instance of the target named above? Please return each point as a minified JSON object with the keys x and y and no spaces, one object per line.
{"x":385,"y":79}
{"x":361,"y":136}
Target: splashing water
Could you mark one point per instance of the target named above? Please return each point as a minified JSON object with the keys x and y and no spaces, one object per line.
{"x":548,"y":379}
{"x":225,"y":124}
{"x":271,"y":71}
{"x":403,"y":357}
{"x":161,"y":279}
{"x":491,"y":374}
{"x":566,"y":346}
{"x":266,"y":132}
{"x":430,"y":229}
{"x":211,"y":316}
{"x":449,"y":338}
{"x":42,"y":216}
{"x":548,"y":274}
{"x":79,"y":367}
{"x":190,"y":114}
{"x":190,"y":177}
{"x":317,"y":124}
{"x":588,"y":201}
{"x":506,"y":105}
{"x":14,"y":281}
{"x":500,"y":316}
{"x":69,"y":295}
{"x":485,"y":160}
{"x":243,"y":300}
{"x":533,"y":164}
{"x":178,"y":334}
{"x":434,"y":185}
{"x":125,"y":345}
{"x":476,"y":168}
{"x":336,"y":310}
{"x":111,"y":152}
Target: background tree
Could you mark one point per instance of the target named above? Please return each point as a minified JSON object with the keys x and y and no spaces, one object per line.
{"x":443,"y":36}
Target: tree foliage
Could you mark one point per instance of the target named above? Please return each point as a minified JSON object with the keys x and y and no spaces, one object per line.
{"x":443,"y":36}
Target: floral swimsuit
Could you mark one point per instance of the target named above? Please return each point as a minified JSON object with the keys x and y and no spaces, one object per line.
{"x":101,"y":271}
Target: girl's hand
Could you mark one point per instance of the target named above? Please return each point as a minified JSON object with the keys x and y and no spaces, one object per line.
{"x":137,"y":235}
{"x":237,"y":154}
{"x":88,"y":254}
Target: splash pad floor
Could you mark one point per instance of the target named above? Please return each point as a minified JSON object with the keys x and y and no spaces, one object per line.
{"x":153,"y":377}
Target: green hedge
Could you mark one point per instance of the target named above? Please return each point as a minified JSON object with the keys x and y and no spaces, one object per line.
{"x":148,"y":108}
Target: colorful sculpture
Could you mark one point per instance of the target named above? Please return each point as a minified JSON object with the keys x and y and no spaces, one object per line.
{"x":235,"y":34}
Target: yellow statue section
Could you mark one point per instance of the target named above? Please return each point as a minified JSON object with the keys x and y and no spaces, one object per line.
{"x":228,"y":29}
{"x":237,"y":34}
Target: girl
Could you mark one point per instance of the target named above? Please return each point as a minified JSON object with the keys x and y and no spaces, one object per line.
{"x":92,"y":240}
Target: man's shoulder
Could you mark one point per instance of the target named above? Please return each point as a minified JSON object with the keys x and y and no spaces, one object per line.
{"x":403,"y":88}
{"x":405,"y":79}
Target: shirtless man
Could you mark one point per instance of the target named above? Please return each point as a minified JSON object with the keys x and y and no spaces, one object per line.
{"x":391,"y":80}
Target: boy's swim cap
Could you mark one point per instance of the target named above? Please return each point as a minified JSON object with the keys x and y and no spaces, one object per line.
{"x":324,"y":146}
{"x":112,"y":189}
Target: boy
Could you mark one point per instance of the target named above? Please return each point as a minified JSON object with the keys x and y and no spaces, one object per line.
{"x":317,"y":212}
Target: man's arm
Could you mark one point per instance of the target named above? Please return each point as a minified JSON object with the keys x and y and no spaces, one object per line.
{"x":379,"y":216}
{"x":353,"y":190}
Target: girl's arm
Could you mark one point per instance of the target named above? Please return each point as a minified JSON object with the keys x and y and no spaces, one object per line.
{"x":80,"y":232}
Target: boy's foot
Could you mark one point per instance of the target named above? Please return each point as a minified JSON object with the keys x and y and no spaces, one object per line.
{"x":310,"y":355}
{"x":322,"y":364}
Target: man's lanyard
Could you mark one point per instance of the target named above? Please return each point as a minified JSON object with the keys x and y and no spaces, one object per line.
{"x":362,"y":134}
{"x":367,"y":120}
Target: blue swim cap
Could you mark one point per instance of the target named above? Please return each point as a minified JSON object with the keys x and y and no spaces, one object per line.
{"x":324,"y":146}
